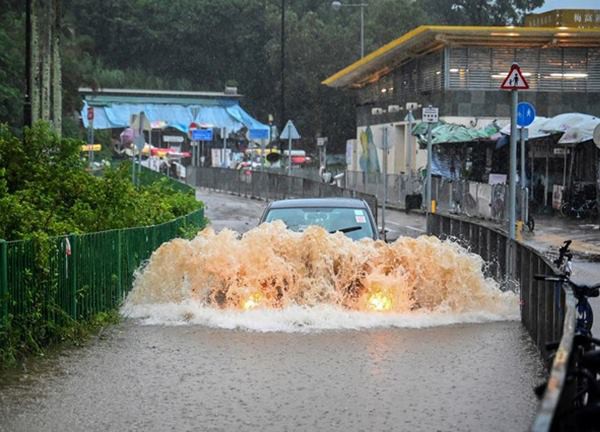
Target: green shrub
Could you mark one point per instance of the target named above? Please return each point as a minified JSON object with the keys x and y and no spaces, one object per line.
{"x":45,"y":191}
{"x":44,"y":188}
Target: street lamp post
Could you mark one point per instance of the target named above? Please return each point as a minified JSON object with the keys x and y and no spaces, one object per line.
{"x":27,"y":102}
{"x":282,"y":102}
{"x":336,"y":5}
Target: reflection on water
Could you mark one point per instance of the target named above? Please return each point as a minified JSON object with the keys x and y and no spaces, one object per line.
{"x":271,"y":276}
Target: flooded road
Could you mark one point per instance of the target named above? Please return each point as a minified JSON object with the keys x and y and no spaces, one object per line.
{"x":190,"y":377}
{"x":187,"y":378}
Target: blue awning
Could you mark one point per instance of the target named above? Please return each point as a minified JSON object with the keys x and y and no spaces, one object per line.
{"x":227,"y":115}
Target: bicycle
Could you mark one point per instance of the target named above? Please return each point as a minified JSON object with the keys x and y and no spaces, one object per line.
{"x":581,"y":389}
{"x":582,"y":210}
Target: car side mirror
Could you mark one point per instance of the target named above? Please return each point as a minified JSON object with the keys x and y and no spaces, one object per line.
{"x":386,"y":236}
{"x":391,"y":238}
{"x":382,"y":232}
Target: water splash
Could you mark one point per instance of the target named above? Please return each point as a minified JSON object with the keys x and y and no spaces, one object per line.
{"x":274,"y":279}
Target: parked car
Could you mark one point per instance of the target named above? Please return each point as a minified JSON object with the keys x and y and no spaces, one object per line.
{"x":351,"y":216}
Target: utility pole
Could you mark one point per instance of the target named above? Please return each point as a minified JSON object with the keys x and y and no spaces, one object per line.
{"x":27,"y":101}
{"x":282,"y":101}
{"x":43,"y":73}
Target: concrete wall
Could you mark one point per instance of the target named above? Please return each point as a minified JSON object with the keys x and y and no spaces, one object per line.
{"x":398,"y":158}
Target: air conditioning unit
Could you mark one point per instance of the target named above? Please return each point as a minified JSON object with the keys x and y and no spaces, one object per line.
{"x":377,"y":111}
{"x":393,"y":108}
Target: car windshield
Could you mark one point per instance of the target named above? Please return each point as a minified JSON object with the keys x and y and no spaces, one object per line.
{"x":353,"y":222}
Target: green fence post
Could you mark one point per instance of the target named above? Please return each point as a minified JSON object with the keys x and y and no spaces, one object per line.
{"x":119,"y":266}
{"x":4,"y":280}
{"x":73,"y":275}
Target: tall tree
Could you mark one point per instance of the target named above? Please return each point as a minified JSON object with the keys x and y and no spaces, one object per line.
{"x":479,"y":12}
{"x":204,"y":44}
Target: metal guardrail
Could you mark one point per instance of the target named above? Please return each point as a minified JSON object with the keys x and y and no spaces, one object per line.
{"x":73,"y":277}
{"x":399,"y":185}
{"x":469,"y":198}
{"x":270,"y":186}
{"x":76,"y":276}
{"x":547,"y":311}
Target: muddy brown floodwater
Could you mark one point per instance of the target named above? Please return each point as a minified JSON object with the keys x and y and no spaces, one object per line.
{"x":190,"y":377}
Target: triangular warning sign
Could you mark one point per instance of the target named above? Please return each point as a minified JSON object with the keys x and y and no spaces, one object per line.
{"x":289,"y":131}
{"x":515,"y":79}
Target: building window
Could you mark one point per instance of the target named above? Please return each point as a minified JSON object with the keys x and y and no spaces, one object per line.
{"x":547,"y":69}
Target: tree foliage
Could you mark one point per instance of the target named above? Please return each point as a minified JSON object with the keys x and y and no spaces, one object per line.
{"x":12,"y":64}
{"x":203,"y":44}
{"x":44,"y":188}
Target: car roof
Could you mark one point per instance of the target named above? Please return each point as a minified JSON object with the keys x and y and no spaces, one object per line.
{"x":319,"y":202}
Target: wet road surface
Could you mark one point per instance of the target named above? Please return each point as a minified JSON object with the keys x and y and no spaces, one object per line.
{"x":158,"y":378}
{"x":189,"y":378}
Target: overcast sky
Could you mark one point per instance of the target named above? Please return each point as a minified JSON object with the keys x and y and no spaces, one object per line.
{"x":568,"y":4}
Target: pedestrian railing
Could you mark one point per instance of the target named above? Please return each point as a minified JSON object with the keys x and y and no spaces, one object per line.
{"x":270,"y":186}
{"x":547,"y":310}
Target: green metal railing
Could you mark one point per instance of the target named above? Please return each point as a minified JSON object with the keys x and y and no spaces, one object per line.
{"x":73,"y":277}
{"x":77,"y":276}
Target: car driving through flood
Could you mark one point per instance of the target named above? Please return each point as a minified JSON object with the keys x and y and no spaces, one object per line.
{"x":353,"y":217}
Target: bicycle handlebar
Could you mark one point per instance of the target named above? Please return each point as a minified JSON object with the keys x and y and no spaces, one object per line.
{"x":562,"y":253}
{"x":586,"y":290}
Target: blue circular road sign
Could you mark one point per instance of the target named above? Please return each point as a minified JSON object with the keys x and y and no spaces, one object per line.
{"x":525,"y":114}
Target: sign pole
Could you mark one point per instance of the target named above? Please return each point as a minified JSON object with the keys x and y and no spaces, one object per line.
{"x":225,"y":159}
{"x":524,"y":197}
{"x":141,"y":134}
{"x":430,"y":116}
{"x":140,"y":162}
{"x":289,"y":150}
{"x":133,"y":165}
{"x":290,"y":133}
{"x":91,"y":141}
{"x":429,"y":163}
{"x":409,"y":150}
{"x":385,"y":185}
{"x":514,"y":81}
{"x":513,"y":165}
{"x":90,"y":117}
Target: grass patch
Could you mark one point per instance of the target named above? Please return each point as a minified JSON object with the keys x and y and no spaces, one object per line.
{"x":18,"y":346}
